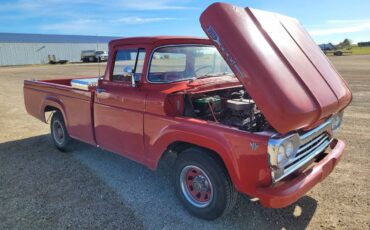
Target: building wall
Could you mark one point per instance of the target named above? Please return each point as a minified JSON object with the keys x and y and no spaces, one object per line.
{"x":37,"y":53}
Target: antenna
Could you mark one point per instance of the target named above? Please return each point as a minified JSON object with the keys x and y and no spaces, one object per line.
{"x":97,"y":48}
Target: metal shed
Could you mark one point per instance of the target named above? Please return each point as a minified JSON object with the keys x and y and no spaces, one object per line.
{"x":21,"y":49}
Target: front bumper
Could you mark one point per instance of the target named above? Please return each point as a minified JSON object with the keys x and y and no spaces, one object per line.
{"x":289,"y":191}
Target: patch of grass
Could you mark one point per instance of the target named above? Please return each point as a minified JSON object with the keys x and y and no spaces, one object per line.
{"x":360,"y":50}
{"x":354,"y":50}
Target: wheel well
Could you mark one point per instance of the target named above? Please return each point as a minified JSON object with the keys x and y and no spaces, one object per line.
{"x":174,"y":149}
{"x":179,"y":146}
{"x":51,"y":109}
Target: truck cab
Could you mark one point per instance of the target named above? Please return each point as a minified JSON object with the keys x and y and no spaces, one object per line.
{"x":252,"y":110}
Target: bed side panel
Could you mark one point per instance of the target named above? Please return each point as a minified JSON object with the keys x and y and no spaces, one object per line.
{"x":75,"y":105}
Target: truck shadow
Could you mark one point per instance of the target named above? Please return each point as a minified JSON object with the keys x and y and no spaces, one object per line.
{"x":149,"y":195}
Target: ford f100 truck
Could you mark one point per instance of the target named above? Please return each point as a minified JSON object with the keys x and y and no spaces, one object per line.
{"x":252,"y":110}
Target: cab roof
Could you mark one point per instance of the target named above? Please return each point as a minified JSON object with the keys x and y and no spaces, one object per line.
{"x":159,"y":39}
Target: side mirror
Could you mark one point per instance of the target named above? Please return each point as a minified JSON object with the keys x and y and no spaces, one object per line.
{"x":129,"y":72}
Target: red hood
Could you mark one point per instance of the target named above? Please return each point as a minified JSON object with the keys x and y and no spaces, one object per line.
{"x":279,"y":64}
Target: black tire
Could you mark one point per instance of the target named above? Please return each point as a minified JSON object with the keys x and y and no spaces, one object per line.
{"x":223,"y":194}
{"x":338,"y":53}
{"x":59,"y":133}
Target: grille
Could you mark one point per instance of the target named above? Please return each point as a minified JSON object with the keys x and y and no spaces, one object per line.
{"x":310,"y":144}
{"x":307,"y":151}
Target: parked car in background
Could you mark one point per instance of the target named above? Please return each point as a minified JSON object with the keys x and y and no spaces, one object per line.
{"x":329,"y":48}
{"x":94,"y":55}
{"x":252,"y":110}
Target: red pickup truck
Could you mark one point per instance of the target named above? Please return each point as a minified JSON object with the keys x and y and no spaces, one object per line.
{"x":251,"y":110}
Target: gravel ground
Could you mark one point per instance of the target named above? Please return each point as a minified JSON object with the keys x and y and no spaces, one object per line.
{"x":42,"y":188}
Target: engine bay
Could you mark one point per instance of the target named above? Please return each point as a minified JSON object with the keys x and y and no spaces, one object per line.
{"x":232,"y":107}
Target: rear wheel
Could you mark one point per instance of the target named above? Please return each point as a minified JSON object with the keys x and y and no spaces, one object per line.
{"x":203,"y":184}
{"x":59,"y":133}
{"x":338,"y":53}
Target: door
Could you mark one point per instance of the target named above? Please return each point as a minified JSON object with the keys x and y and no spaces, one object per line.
{"x":119,"y":106}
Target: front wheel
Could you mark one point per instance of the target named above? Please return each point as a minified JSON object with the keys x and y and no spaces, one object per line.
{"x":203,"y":184}
{"x":59,"y":133}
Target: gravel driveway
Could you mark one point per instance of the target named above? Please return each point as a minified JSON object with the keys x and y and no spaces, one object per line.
{"x":42,"y":188}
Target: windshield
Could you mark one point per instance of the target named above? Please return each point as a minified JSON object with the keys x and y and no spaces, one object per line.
{"x":178,"y":63}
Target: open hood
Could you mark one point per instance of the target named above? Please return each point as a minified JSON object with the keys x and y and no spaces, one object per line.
{"x":288,"y":76}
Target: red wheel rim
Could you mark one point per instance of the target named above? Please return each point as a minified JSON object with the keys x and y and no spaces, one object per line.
{"x":196,"y":186}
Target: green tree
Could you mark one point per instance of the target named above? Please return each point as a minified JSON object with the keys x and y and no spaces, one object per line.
{"x":345,"y":44}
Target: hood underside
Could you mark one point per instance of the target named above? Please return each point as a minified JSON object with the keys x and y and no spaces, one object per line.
{"x":279,"y":64}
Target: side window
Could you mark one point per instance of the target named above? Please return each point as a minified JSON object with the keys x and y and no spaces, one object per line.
{"x":128,"y":59}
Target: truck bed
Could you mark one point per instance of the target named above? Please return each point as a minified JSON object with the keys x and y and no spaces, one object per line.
{"x":76,"y":105}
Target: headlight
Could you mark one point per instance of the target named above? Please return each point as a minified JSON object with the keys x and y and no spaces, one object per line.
{"x":289,"y":149}
{"x":281,"y":154}
{"x":285,"y":150}
{"x":336,"y":120}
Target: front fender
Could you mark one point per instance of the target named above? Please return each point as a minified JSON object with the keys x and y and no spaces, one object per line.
{"x":232,"y":145}
{"x":213,"y":142}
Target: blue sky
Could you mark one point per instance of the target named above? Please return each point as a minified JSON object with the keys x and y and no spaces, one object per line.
{"x":326,"y":21}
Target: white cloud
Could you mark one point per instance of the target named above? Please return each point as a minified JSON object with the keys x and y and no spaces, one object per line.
{"x":347,"y":21}
{"x":85,"y":16}
{"x":72,"y":25}
{"x":55,"y":5}
{"x":342,"y":27}
{"x":139,"y":20}
{"x":84,"y":26}
{"x":87,"y":26}
{"x":154,"y":5}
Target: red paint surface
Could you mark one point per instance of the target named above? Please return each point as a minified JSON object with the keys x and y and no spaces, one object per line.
{"x":285,"y":72}
{"x":142,"y":122}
